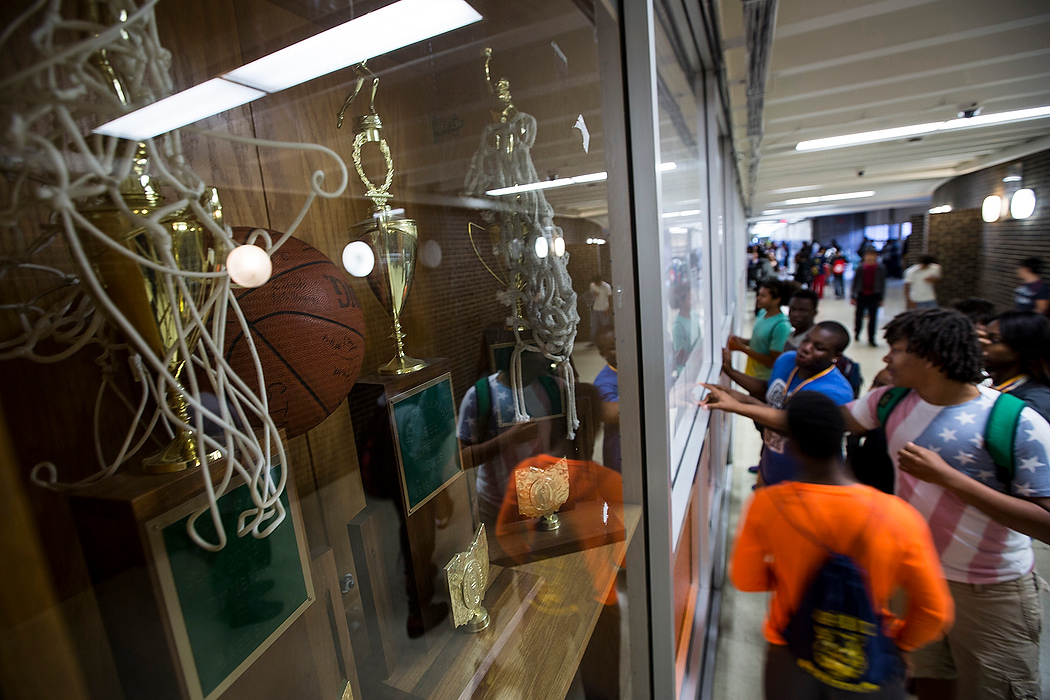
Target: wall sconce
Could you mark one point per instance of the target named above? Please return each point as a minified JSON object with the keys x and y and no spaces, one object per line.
{"x":992,"y":208}
{"x":1022,"y":204}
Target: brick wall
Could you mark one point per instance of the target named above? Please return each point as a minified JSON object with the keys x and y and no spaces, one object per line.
{"x":1008,"y":240}
{"x":916,"y":242}
{"x":955,"y":239}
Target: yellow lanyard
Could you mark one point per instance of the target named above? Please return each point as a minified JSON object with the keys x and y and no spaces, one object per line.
{"x":791,"y":378}
{"x":1012,"y":383}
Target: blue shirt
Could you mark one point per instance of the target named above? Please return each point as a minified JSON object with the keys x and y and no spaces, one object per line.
{"x":608,"y":385}
{"x":778,"y":463}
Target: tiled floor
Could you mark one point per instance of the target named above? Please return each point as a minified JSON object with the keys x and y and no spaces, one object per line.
{"x":741,"y":648}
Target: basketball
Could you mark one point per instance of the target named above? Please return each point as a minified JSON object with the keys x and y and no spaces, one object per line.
{"x":308,"y":331}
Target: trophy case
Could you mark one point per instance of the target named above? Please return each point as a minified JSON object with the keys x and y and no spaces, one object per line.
{"x":454,"y":525}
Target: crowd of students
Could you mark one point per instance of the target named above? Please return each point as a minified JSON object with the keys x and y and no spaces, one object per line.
{"x":946,"y":481}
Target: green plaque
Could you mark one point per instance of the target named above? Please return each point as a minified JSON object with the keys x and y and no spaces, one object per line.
{"x":227,"y":607}
{"x":424,"y":420}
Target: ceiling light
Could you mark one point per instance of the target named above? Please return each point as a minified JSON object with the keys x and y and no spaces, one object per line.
{"x":1022,"y":204}
{"x":249,"y":266}
{"x":549,"y":184}
{"x":559,"y":246}
{"x":919,"y":129}
{"x":676,"y":214}
{"x":542,"y":247}
{"x":358,"y":259}
{"x":664,"y":167}
{"x":992,"y":208}
{"x":943,"y":209}
{"x":178,"y":110}
{"x":374,"y":34}
{"x":831,"y":197}
{"x":1012,"y":178}
{"x":678,"y":229}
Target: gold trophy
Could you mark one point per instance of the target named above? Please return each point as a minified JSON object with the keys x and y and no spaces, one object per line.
{"x":393,"y":238}
{"x":141,"y":293}
{"x":541,"y":492}
{"x":468,"y":576}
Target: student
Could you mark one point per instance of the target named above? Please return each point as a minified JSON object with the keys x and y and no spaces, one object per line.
{"x":1017,"y":357}
{"x":789,"y":528}
{"x":608,"y":385}
{"x":944,"y":469}
{"x":771,"y":331}
{"x":802,"y":312}
{"x":1033,"y":294}
{"x":869,"y":288}
{"x":918,"y":283}
{"x":813,"y":368}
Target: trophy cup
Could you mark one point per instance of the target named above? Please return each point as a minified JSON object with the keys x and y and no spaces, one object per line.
{"x":541,"y":492}
{"x":392,"y":237}
{"x":142,"y":294}
{"x":468,"y":576}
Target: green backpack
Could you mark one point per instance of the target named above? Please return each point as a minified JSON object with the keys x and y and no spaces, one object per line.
{"x":998,"y":432}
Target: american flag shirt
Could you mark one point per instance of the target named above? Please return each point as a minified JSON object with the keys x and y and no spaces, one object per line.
{"x":973,"y":547}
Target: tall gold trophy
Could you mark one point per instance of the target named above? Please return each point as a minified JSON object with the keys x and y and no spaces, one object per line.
{"x":141,"y":293}
{"x":392,"y":237}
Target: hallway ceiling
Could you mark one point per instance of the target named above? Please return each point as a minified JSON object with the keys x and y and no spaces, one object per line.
{"x":845,"y":66}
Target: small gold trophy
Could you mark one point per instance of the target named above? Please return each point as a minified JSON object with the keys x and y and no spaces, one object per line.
{"x":393,"y":238}
{"x":541,"y":492}
{"x":468,"y":577}
{"x":142,"y":295}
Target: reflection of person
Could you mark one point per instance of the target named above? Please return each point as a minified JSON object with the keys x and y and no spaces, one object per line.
{"x":490,"y":439}
{"x":600,"y":294}
{"x":1017,"y":357}
{"x":812,"y":368}
{"x":918,"y":283}
{"x":945,"y":470}
{"x":869,"y":288}
{"x":1033,"y":294}
{"x":685,"y":332}
{"x":608,"y":385}
{"x":771,"y":331}
{"x":789,"y":529}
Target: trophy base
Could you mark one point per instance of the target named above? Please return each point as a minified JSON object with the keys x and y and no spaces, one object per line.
{"x":479,"y":622}
{"x":549,"y":523}
{"x":178,"y":456}
{"x":402,"y":365}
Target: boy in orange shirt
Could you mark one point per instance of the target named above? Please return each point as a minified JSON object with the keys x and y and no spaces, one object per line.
{"x":789,"y":528}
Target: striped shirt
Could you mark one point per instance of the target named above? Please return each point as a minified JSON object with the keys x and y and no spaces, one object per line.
{"x":973,"y":547}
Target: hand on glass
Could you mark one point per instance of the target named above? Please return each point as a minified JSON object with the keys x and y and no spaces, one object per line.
{"x":736,"y":343}
{"x":924,"y":464}
{"x":727,"y":359}
{"x":720,"y":398}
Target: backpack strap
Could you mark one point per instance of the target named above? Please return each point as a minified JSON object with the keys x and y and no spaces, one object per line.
{"x":888,"y":402}
{"x":483,"y":395}
{"x":999,"y":435}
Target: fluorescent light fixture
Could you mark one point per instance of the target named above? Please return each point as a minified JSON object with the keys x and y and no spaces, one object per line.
{"x":831,"y":197}
{"x":559,"y":246}
{"x":182,"y":108}
{"x":549,"y":184}
{"x":1012,"y":178}
{"x":542,"y":247}
{"x":376,"y":33}
{"x":379,"y":32}
{"x":678,"y":229}
{"x":920,"y":129}
{"x":664,"y":167}
{"x":1022,"y":204}
{"x":943,"y":209}
{"x":992,"y":208}
{"x":770,"y":212}
{"x":799,"y":188}
{"x":677,"y":214}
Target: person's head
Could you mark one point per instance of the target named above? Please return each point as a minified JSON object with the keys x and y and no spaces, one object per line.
{"x":816,"y":426}
{"x":822,"y":346}
{"x":802,"y":309}
{"x":871,"y":256}
{"x":925,"y":341}
{"x":1019,"y":341}
{"x":979,"y":311}
{"x":926,"y":259}
{"x":770,"y":295}
{"x":1028,"y":269}
{"x":597,"y":279}
{"x":681,"y":298}
{"x":606,"y":344}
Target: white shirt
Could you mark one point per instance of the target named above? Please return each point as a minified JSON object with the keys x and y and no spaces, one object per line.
{"x":602,"y":292}
{"x":921,"y":281}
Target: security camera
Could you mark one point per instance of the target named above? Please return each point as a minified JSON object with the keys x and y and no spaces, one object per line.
{"x":860,"y":173}
{"x":969,"y":111}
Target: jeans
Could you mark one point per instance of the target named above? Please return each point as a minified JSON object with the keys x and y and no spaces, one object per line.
{"x":867,"y":304}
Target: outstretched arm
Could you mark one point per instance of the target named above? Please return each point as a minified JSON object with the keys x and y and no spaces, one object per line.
{"x":1027,"y":516}
{"x":720,"y":398}
{"x":752,"y":385}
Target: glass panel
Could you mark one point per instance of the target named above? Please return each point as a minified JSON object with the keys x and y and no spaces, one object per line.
{"x":446,"y":483}
{"x":683,"y":241}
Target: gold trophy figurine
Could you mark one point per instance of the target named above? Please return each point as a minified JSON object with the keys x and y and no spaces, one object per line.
{"x":467,"y":575}
{"x":393,"y":238}
{"x":541,"y":492}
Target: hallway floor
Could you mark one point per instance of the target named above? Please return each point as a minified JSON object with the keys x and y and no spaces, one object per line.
{"x":741,"y":647}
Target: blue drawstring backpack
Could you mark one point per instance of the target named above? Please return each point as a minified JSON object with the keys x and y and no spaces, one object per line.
{"x":836,"y":632}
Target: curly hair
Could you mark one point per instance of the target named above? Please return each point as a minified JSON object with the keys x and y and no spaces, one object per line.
{"x":946,"y":338}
